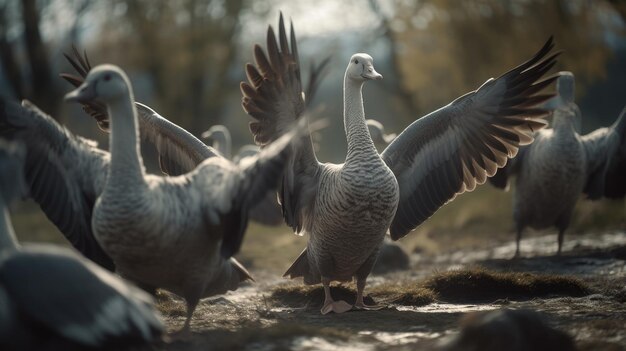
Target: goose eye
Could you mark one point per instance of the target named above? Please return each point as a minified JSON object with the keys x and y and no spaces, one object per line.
{"x":356,"y":62}
{"x":107,"y":77}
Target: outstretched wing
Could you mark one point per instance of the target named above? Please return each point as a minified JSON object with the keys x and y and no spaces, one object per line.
{"x":274,"y":98}
{"x":234,"y":190}
{"x":606,"y":160}
{"x":179,"y":151}
{"x":65,"y":174}
{"x":453,"y":149}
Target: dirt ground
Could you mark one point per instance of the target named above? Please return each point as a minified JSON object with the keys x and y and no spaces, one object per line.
{"x":256,"y":317}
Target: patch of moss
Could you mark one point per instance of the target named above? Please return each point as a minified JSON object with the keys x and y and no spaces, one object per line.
{"x":481,"y":285}
{"x":168,"y":306}
{"x":471,"y":285}
{"x":313,"y":296}
{"x":408,"y":294}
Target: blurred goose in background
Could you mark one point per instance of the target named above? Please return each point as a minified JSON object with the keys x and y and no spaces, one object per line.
{"x":218,"y":136}
{"x":53,"y":299}
{"x":377,"y":132}
{"x":561,"y":164}
{"x":176,"y":233}
{"x":347,"y":208}
{"x":267,"y":212}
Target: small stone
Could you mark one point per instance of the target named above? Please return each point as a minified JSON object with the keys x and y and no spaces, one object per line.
{"x":391,"y":258}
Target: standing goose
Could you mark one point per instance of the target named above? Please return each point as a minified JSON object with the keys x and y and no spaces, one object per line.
{"x":176,"y":233}
{"x":346,"y":209}
{"x":53,"y":299}
{"x":267,"y":211}
{"x":560,"y":164}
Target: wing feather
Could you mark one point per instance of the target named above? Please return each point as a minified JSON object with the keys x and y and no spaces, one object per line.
{"x":65,"y":174}
{"x":274,"y":98}
{"x":459,"y":146}
{"x":179,"y":151}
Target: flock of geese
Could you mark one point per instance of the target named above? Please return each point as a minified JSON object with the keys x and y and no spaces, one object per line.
{"x":179,"y":231}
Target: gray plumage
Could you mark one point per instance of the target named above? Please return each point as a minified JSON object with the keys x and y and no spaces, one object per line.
{"x":52,"y":299}
{"x":176,"y":233}
{"x":267,"y":211}
{"x":179,"y":151}
{"x":561,"y":164}
{"x":346,"y":209}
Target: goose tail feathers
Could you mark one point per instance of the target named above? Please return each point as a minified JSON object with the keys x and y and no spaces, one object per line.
{"x":300,"y":266}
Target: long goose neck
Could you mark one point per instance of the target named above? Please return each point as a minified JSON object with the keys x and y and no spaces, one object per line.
{"x":126,"y":163}
{"x":7,"y":235}
{"x":359,"y":140}
{"x":223,"y":143}
{"x":566,"y":120}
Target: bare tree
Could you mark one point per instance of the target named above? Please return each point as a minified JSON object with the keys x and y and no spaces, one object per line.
{"x":42,"y":86}
{"x":9,"y":64}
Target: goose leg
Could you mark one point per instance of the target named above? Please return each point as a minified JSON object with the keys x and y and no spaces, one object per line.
{"x":185,"y":331}
{"x":331,"y":305}
{"x":360,"y":287}
{"x":561,"y":232}
{"x":518,"y":239}
{"x":361,"y":278}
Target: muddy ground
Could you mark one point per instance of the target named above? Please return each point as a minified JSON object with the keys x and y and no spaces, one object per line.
{"x":256,"y":317}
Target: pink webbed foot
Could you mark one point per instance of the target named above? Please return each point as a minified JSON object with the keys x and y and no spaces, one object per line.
{"x":363,"y":306}
{"x":336,"y":306}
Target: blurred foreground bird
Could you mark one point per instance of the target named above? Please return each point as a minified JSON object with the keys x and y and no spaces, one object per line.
{"x":346,"y":209}
{"x":561,"y":164}
{"x":53,"y":299}
{"x":267,"y":211}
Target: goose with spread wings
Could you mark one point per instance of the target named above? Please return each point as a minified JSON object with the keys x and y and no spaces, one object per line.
{"x":53,"y":299}
{"x":552,"y":172}
{"x":346,"y":209}
{"x":178,"y":150}
{"x":176,"y":233}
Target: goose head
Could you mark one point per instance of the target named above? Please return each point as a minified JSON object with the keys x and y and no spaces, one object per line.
{"x":218,"y":137}
{"x":218,"y":133}
{"x":377,"y":132}
{"x":361,"y":68}
{"x":565,"y":86}
{"x":105,"y":83}
{"x":564,"y":109}
{"x":12,"y":181}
